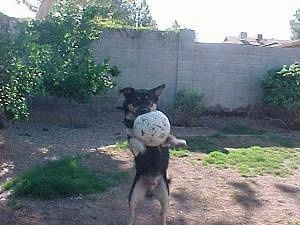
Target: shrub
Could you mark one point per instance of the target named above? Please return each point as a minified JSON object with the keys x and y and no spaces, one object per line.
{"x":281,"y":93}
{"x":53,"y":57}
{"x":188,"y":108}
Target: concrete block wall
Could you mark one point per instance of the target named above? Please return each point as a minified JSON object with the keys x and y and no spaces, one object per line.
{"x":146,"y":59}
{"x":228,"y":75}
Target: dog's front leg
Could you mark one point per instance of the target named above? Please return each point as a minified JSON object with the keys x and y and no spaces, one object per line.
{"x":136,"y":146}
{"x":173,"y":141}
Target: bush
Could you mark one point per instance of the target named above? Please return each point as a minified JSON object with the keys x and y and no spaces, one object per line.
{"x":281,"y":93}
{"x":188,"y":108}
{"x":53,"y":57}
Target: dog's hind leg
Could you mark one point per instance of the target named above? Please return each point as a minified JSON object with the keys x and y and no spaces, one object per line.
{"x":161,"y":193}
{"x":138,"y":193}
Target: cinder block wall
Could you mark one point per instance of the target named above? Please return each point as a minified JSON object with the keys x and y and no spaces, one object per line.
{"x":146,"y":59}
{"x":228,"y":75}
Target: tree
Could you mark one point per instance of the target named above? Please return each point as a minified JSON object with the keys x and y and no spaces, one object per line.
{"x":53,"y":57}
{"x":175,"y":27}
{"x":295,"y":25}
{"x":139,"y":14}
{"x":133,"y":13}
{"x":281,"y":93}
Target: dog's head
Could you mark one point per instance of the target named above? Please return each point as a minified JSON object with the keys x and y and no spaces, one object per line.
{"x":140,"y":101}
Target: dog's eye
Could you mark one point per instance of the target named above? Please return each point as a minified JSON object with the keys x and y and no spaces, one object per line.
{"x":138,"y":99}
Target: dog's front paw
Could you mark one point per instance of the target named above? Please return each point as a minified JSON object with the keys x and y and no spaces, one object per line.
{"x":173,"y":141}
{"x":180,"y":143}
{"x":136,"y":146}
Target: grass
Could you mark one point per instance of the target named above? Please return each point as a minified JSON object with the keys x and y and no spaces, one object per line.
{"x":64,"y":177}
{"x":294,"y":222}
{"x":280,"y":159}
{"x":241,"y":130}
{"x":279,"y":156}
{"x":256,"y":160}
{"x":123,"y":144}
{"x":179,"y":152}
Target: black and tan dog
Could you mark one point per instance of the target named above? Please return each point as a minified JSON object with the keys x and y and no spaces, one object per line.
{"x":151,"y":162}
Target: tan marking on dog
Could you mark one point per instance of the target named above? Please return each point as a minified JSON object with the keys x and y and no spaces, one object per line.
{"x":132,"y":108}
{"x":130,"y":116}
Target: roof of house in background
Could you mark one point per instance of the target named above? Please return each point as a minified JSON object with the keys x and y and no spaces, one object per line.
{"x":242,"y":39}
{"x":291,"y":44}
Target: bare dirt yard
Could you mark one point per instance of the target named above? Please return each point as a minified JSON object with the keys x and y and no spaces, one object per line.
{"x":199,"y":195}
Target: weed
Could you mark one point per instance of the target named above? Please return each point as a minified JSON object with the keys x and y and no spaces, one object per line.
{"x":179,"y":152}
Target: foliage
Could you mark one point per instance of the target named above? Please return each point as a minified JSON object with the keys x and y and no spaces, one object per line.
{"x":282,"y":87}
{"x":281,"y":91}
{"x":188,"y":107}
{"x":175,"y":27}
{"x":64,"y":177}
{"x":179,"y":152}
{"x":53,"y":57}
{"x":139,"y":14}
{"x":256,"y":160}
{"x":132,"y":13}
{"x":122,"y":145}
{"x":295,"y":25}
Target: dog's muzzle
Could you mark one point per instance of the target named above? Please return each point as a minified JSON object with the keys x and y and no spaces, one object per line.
{"x":143,"y":110}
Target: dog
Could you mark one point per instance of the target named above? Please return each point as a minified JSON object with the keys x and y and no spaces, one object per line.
{"x":151,"y":162}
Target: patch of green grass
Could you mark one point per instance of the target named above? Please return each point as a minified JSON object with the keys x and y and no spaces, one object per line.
{"x":179,"y":152}
{"x":295,"y":222}
{"x":64,"y":177}
{"x":256,"y":160}
{"x":123,"y":144}
{"x":241,"y":130}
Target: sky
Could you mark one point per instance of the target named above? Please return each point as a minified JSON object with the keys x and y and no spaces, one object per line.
{"x":212,"y":20}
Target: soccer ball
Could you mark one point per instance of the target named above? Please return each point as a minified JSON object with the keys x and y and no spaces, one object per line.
{"x":152,"y":128}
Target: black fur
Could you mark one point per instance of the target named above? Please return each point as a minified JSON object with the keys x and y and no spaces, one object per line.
{"x":153,"y":162}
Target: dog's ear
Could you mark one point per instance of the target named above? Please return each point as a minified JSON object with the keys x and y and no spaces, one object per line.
{"x":158,"y":90}
{"x":126,"y":91}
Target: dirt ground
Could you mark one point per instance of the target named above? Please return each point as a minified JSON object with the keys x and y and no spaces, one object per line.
{"x":199,"y":195}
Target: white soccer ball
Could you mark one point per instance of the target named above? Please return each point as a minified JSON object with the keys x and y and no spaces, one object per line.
{"x":152,"y":128}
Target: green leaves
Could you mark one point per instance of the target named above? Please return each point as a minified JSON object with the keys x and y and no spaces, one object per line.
{"x":282,"y":87}
{"x":53,"y":57}
{"x":281,"y":91}
{"x":190,"y":103}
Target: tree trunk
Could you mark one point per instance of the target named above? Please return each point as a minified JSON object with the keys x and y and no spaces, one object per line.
{"x":44,"y":9}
